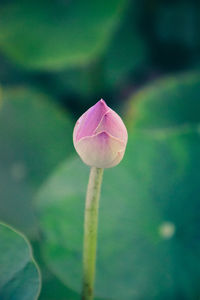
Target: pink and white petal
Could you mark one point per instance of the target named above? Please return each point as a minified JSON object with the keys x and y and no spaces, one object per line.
{"x":77,"y":127}
{"x":99,"y":150}
{"x":89,"y":121}
{"x":113,"y":124}
{"x":117,"y":159}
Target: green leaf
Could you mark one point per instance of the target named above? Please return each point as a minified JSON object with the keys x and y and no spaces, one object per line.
{"x":148,"y":245}
{"x":19,"y":274}
{"x":126,"y":53}
{"x":35,"y":136}
{"x":53,"y":289}
{"x":57,"y":34}
{"x":167,"y":103}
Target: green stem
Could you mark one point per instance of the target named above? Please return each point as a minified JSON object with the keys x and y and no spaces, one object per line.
{"x":90,"y":232}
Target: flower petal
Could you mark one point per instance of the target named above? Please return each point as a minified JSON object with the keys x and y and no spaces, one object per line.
{"x":100,"y":150}
{"x":113,"y":124}
{"x":117,"y":159}
{"x":88,"y":122}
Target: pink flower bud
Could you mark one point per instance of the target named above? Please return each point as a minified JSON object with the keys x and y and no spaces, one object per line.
{"x":100,"y":136}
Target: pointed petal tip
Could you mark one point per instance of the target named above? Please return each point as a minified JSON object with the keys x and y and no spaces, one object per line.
{"x":102,"y":105}
{"x":102,"y":101}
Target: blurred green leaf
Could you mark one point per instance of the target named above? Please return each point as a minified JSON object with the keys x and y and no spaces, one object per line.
{"x":167,"y":103}
{"x":19,"y":274}
{"x":53,"y":289}
{"x":148,"y":243}
{"x":127,"y":53}
{"x":35,"y":136}
{"x":57,"y":34}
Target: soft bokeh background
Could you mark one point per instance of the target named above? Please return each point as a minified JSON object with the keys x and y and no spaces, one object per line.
{"x":57,"y":58}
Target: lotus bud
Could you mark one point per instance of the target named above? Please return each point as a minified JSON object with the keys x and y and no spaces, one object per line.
{"x":100,"y":136}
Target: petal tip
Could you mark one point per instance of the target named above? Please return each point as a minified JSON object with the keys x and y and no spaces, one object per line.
{"x":103,"y":102}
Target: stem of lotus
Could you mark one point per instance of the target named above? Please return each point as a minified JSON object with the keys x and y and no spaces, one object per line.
{"x":90,"y":232}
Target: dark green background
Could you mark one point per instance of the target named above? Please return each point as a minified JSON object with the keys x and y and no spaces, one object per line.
{"x":57,"y":58}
